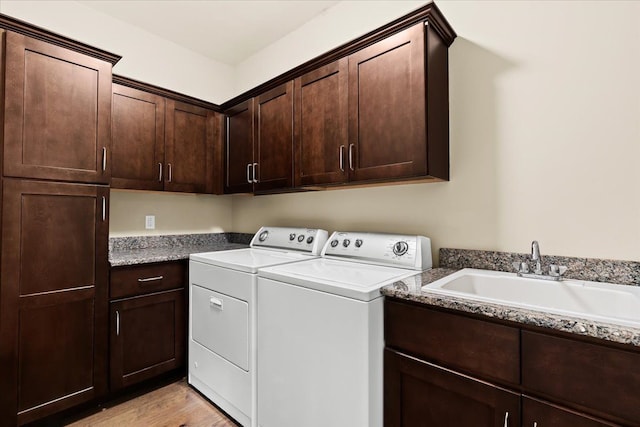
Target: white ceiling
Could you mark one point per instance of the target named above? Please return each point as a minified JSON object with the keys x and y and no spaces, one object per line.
{"x":228,"y":31}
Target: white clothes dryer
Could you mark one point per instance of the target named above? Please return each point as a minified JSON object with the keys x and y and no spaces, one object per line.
{"x":222,"y":314}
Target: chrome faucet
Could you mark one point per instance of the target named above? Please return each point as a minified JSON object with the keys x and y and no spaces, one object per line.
{"x":522,"y":267}
{"x":535,"y":256}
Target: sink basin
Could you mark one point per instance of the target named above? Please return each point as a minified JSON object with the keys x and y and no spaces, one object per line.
{"x":618,"y":304}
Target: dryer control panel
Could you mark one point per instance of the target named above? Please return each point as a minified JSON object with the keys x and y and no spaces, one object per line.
{"x":308,"y":240}
{"x":396,"y":250}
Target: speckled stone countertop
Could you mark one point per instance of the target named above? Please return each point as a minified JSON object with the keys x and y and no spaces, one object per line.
{"x":452,"y":260}
{"x":148,"y":249}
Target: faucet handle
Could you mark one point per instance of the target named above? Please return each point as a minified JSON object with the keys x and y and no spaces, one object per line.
{"x":521,"y":266}
{"x":557,"y":270}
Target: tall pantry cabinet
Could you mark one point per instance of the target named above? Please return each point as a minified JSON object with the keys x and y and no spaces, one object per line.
{"x":56,"y":106}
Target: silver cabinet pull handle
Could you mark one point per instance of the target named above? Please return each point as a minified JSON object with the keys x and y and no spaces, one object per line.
{"x":117,"y":323}
{"x":215,"y":302}
{"x":255,"y":173}
{"x":342,"y":158}
{"x":169,"y":166}
{"x":104,"y":159}
{"x":249,"y":173}
{"x":150,"y":279}
{"x":506,"y":419}
{"x":159,"y":172}
{"x":535,"y":424}
{"x":104,"y":208}
{"x":351,"y":156}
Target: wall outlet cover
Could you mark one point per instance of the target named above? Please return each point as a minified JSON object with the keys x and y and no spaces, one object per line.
{"x":150,"y":222}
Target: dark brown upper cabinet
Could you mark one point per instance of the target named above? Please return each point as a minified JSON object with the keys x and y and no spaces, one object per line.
{"x":53,"y":298}
{"x":387,"y":129}
{"x":260,"y":142}
{"x":320,"y":126}
{"x":137,"y":139}
{"x":160,"y":143}
{"x":57,"y":112}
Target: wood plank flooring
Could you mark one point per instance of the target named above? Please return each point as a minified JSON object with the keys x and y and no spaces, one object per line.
{"x":174,"y":405}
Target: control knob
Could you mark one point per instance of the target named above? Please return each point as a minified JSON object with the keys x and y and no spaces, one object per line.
{"x":346,"y":243}
{"x":263,"y":236}
{"x":309,"y":240}
{"x":301,"y":238}
{"x":292,"y":236}
{"x":358,"y":243}
{"x":400,"y":248}
{"x":334,"y":243}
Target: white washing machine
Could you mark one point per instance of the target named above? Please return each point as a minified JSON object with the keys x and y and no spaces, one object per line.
{"x":320,"y":331}
{"x":222,"y":314}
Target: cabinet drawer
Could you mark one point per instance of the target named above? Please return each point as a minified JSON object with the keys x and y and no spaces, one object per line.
{"x":487,"y":350}
{"x":146,"y":278}
{"x":590,"y":377}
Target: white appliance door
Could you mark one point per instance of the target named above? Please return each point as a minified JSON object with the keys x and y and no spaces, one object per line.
{"x":319,"y":358}
{"x":346,"y":278}
{"x":247,"y":260}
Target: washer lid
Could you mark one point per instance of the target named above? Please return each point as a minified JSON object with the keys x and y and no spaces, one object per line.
{"x":345,"y":278}
{"x":248,"y":260}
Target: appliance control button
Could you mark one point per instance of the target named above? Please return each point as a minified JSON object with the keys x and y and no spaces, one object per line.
{"x":263,"y":236}
{"x":310,"y":239}
{"x":400,"y":248}
{"x":346,"y":243}
{"x":292,"y":236}
{"x":301,"y":238}
{"x":334,"y":243}
{"x":358,"y":243}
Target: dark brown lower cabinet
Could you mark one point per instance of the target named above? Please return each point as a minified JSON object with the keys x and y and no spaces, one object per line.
{"x":536,"y":413}
{"x":148,"y":321}
{"x":421,"y":394}
{"x":147,"y":336}
{"x":53,"y":298}
{"x":435,"y":357}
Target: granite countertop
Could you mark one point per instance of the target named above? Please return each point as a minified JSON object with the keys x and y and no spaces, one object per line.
{"x":148,"y":249}
{"x":411,"y":289}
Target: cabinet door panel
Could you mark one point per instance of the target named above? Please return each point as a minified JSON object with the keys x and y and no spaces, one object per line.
{"x":137,"y":139}
{"x":147,"y":336}
{"x":57,"y":112}
{"x":418,"y":393}
{"x":189,"y":148}
{"x":542,"y":414}
{"x":589,"y":377}
{"x":274,"y":142}
{"x":320,"y":127}
{"x":53,"y":298}
{"x":239,"y":148}
{"x":387,"y":113}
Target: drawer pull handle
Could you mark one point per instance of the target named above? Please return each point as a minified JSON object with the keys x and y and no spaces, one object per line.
{"x":535,"y":424}
{"x":215,"y":302}
{"x":506,"y":419}
{"x":150,"y":279}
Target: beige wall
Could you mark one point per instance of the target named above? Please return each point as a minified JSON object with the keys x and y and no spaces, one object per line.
{"x":176,"y":213}
{"x":545,"y":138}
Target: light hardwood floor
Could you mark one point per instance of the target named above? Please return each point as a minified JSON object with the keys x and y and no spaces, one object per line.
{"x":174,"y":405}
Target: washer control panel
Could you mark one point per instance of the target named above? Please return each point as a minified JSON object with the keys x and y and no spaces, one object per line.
{"x":379,"y":248}
{"x":309,"y":240}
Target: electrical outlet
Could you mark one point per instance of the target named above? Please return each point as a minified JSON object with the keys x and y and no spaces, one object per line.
{"x":150,"y":222}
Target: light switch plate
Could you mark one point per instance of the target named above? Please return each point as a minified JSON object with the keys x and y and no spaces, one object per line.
{"x":150,"y":222}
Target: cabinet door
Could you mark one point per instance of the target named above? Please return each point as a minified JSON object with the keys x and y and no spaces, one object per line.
{"x":53,"y":297}
{"x":536,"y":413}
{"x":239,"y":148}
{"x":137,"y":139}
{"x":147,"y":336}
{"x":274,"y":139}
{"x":387,"y":113}
{"x":418,"y":393}
{"x":57,"y":113}
{"x":320,"y":126}
{"x":190,"y":139}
